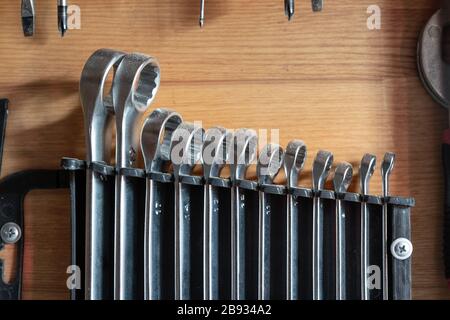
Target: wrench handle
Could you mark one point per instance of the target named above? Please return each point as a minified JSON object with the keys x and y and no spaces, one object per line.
{"x":446,"y":163}
{"x":99,"y":240}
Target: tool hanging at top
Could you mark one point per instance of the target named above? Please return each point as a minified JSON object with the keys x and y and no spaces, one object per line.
{"x":289,"y":9}
{"x":29,"y":17}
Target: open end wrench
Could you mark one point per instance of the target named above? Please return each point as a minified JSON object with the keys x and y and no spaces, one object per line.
{"x":134,"y":88}
{"x":386,"y":169}
{"x":155,"y":143}
{"x":342,"y":180}
{"x":321,"y":169}
{"x":366,"y":171}
{"x":186,"y":151}
{"x":245,"y":151}
{"x":270,"y":162}
{"x":98,"y":111}
{"x":294,"y":160}
{"x":216,"y":151}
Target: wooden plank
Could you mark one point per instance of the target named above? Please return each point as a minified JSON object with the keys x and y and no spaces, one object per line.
{"x":324,"y":78}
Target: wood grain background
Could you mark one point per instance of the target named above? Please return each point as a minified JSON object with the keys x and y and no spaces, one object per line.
{"x":324,"y":78}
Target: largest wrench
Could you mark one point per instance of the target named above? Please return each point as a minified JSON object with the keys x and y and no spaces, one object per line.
{"x":134,"y":88}
{"x":97,"y":110}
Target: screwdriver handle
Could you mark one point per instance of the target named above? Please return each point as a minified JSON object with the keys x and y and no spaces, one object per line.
{"x":446,"y":163}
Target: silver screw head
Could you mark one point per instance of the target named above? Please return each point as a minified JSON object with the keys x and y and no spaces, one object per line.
{"x":401,"y":248}
{"x":10,"y":233}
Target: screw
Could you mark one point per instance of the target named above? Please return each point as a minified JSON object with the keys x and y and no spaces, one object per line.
{"x":132,"y":154}
{"x":401,"y":248}
{"x":10,"y":233}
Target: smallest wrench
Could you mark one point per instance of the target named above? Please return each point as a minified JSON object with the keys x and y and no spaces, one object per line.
{"x":321,"y":169}
{"x":386,"y":169}
{"x":366,"y":171}
{"x":270,"y":162}
{"x":342,"y":180}
{"x":294,"y":160}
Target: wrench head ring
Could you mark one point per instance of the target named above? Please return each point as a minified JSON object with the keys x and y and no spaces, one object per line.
{"x":366,"y":171}
{"x":186,"y":148}
{"x":294,"y":160}
{"x":135,"y":84}
{"x":245,"y":151}
{"x":156,"y":137}
{"x":321,"y":169}
{"x":134,"y":87}
{"x":97,"y":108}
{"x":270,"y":162}
{"x":216,"y":151}
{"x":386,"y":168}
{"x":343,"y":177}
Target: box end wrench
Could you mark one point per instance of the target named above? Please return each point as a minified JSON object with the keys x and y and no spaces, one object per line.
{"x":435,"y":74}
{"x":294,"y":161}
{"x":215,"y":155}
{"x":97,"y":110}
{"x":321,"y":169}
{"x":270,"y":162}
{"x":366,"y":171}
{"x":386,"y":168}
{"x":156,"y":137}
{"x":245,"y":152}
{"x":186,"y":153}
{"x":134,"y":87}
{"x":341,"y":181}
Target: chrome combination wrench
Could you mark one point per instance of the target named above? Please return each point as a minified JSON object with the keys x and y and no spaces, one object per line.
{"x":186,"y":153}
{"x":321,"y":169}
{"x":294,"y":160}
{"x":98,"y":110}
{"x":134,"y":87}
{"x":156,"y":138}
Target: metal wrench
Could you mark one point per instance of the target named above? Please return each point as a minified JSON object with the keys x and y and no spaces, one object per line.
{"x":216,"y":151}
{"x":134,"y":88}
{"x":245,"y":151}
{"x":342,"y":180}
{"x":366,"y":171}
{"x":294,"y":160}
{"x":186,"y":151}
{"x":386,"y":169}
{"x":155,"y":143}
{"x":321,"y":169}
{"x":98,"y":110}
{"x":270,"y":162}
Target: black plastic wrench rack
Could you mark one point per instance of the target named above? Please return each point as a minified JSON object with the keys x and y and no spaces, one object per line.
{"x":399,"y":211}
{"x":13,"y":190}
